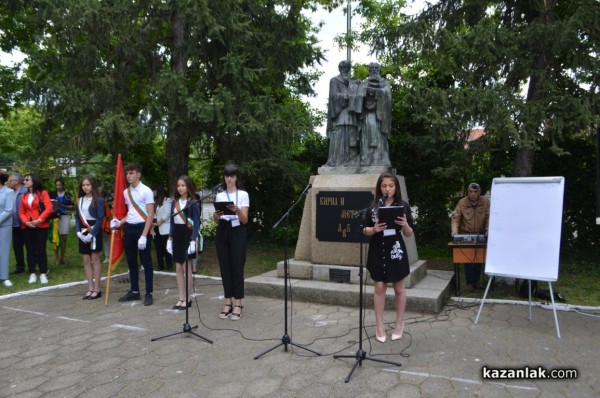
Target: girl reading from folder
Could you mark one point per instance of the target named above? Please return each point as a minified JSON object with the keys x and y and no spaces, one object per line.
{"x":231,"y":241}
{"x":387,"y":259}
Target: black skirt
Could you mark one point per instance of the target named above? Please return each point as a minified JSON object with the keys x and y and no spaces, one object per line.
{"x":387,"y":260}
{"x":181,"y":242}
{"x":95,"y":246}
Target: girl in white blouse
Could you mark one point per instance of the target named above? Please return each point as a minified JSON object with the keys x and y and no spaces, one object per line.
{"x":231,"y":241}
{"x":89,"y":215}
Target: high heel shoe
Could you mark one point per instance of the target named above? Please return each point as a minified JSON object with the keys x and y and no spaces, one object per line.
{"x":381,"y":339}
{"x":399,"y":335}
{"x":87,"y":295}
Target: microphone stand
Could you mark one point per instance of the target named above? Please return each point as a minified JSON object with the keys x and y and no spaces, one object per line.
{"x":186,"y":326}
{"x":285,"y":340}
{"x":361,"y":355}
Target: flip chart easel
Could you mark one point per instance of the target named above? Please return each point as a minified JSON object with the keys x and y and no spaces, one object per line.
{"x":524,"y":232}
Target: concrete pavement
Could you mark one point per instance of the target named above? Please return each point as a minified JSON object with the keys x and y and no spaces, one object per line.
{"x":53,"y":344}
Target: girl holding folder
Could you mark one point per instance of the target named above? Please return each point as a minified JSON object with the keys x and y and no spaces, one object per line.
{"x":387,"y":259}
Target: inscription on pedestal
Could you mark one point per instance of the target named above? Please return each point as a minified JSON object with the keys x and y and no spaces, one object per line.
{"x":339,"y":275}
{"x":339,"y":215}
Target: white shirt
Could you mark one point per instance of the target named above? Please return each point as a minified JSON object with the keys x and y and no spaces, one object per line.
{"x":239,"y":198}
{"x":142,"y":195}
{"x":178,"y":217}
{"x":163,"y":214}
{"x":84,"y":208}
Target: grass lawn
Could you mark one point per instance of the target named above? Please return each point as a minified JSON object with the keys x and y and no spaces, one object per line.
{"x":261,"y":258}
{"x":578,"y":282}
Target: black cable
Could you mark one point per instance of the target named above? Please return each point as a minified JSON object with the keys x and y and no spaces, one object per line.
{"x":218,"y":329}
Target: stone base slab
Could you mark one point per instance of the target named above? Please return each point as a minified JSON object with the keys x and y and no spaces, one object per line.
{"x":343,"y":274}
{"x":429,"y":296}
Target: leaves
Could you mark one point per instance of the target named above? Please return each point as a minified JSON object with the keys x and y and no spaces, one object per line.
{"x":470,"y":61}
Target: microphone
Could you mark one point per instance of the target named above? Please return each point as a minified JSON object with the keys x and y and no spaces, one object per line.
{"x":382,"y":200}
{"x":218,"y":187}
{"x":287,"y":213}
{"x":309,"y":186}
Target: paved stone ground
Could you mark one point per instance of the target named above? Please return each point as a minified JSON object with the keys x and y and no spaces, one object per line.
{"x":56,"y":345}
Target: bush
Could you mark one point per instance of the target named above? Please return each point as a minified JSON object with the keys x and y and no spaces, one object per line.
{"x":209,"y":229}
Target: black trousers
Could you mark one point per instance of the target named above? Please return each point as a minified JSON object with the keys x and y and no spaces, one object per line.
{"x":473,"y":273}
{"x":130,"y":242}
{"x":231,"y":244}
{"x":35,"y":241}
{"x":162,"y":255}
{"x":18,"y":243}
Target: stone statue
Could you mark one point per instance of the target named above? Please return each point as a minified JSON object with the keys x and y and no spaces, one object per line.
{"x":373,"y":107}
{"x":342,"y":130}
{"x":359,"y":119}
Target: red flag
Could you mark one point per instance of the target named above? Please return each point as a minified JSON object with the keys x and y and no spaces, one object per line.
{"x":119,"y":212}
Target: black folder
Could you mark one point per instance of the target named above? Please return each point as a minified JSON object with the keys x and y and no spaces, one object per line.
{"x":389,"y":214}
{"x":222,"y":206}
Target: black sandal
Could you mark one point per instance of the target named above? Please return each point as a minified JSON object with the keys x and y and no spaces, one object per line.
{"x":177,"y":306}
{"x":185,"y":305}
{"x":97,"y":295}
{"x":236,"y":317}
{"x":226,"y":314}
{"x":87,"y":295}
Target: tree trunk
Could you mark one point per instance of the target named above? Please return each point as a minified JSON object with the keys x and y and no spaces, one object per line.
{"x":178,"y":154}
{"x":178,"y":135}
{"x":524,"y":162}
{"x":541,"y":69}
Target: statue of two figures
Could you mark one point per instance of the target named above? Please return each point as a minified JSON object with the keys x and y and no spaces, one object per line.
{"x":359,"y":119}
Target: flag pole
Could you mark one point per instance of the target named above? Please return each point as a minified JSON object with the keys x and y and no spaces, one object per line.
{"x":110,"y":260}
{"x":119,"y":211}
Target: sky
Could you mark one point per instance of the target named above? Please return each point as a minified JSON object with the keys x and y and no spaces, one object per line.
{"x":9,"y":59}
{"x":335,"y":24}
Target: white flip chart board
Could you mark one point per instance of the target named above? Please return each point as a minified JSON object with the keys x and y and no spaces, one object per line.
{"x":525,"y":227}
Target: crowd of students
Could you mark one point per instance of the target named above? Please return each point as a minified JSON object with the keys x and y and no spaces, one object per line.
{"x":173,"y":223}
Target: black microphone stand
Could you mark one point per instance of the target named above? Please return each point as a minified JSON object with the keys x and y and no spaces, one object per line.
{"x":361,"y":355}
{"x":187,"y":328}
{"x":285,"y":340}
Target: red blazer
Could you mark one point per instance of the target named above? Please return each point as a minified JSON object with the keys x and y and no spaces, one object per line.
{"x":32,"y":213}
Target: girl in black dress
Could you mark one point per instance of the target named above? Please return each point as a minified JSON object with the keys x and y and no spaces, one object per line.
{"x":182,"y":238}
{"x":89,"y":216}
{"x":387,"y":259}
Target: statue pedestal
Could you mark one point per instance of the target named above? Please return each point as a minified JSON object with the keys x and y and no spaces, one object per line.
{"x":310,"y":250}
{"x":326,"y":270}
